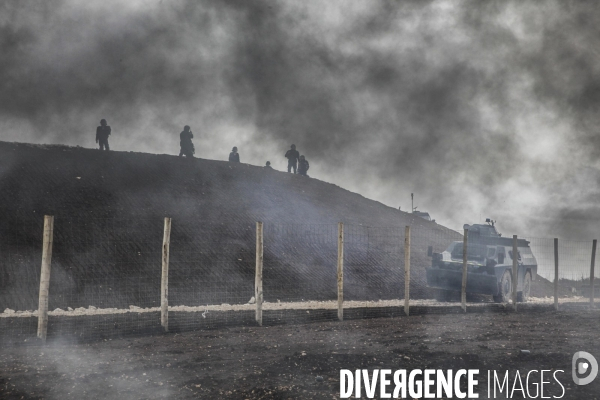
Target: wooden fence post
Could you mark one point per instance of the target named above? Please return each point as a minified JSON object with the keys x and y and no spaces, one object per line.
{"x":340,"y":271}
{"x":515,"y":271}
{"x":592,"y":272}
{"x":556,"y":274}
{"x":407,"y":270}
{"x":164,"y":282}
{"x":45,"y":277}
{"x":463,"y":289}
{"x":258,"y":280}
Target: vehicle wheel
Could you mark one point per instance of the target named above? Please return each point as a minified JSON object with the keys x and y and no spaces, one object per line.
{"x":505,"y":288}
{"x":524,"y":295}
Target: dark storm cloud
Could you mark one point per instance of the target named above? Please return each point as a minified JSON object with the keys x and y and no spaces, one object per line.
{"x":420,"y":106}
{"x":566,"y":69}
{"x":79,"y":62}
{"x":446,"y":99}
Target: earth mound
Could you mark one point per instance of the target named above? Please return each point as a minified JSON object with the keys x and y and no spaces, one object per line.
{"x":109,"y":209}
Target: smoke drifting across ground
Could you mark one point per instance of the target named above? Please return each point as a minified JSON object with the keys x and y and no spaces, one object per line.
{"x":482,"y":109}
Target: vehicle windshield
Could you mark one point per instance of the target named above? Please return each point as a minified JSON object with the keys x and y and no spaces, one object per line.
{"x":474,"y":251}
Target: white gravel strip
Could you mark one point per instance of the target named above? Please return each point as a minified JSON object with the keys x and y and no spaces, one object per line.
{"x":301,"y":305}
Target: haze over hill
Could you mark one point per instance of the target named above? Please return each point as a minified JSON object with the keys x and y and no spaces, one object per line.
{"x":109,"y":209}
{"x":75,"y":182}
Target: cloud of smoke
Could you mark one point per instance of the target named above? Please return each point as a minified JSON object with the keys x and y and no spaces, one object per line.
{"x":482,"y":109}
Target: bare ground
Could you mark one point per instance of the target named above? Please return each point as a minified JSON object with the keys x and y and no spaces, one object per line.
{"x":283,"y":362}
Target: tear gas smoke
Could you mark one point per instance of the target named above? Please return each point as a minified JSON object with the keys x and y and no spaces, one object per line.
{"x":483,"y":109}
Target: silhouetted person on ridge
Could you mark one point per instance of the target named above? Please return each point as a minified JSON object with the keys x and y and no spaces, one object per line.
{"x":185,"y":141}
{"x":102,"y":134}
{"x":303,"y":166}
{"x":292,"y":155}
{"x":268,"y":165}
{"x":234,"y":155}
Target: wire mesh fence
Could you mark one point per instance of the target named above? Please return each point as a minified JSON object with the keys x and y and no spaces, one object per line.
{"x":574,"y":260}
{"x":299,"y":271}
{"x":105,"y":278}
{"x":373,"y":263}
{"x":211,"y":276}
{"x":20,"y":252}
{"x":426,"y":297}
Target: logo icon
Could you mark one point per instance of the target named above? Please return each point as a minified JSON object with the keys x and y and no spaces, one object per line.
{"x":584,"y":363}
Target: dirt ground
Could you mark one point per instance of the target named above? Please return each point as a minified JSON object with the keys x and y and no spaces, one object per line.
{"x":284,"y":362}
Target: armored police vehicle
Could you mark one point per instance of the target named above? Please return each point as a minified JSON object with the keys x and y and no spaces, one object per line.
{"x":489,"y":265}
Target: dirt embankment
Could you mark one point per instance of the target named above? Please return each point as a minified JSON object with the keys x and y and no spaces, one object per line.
{"x":109,"y":209}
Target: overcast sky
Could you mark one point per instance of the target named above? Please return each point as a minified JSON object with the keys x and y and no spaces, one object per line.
{"x":482,"y":109}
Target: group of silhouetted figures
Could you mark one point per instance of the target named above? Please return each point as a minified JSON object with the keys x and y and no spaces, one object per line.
{"x":296,"y":162}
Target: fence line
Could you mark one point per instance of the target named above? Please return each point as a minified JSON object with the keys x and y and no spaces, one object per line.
{"x":407,"y":270}
{"x":45,"y":277}
{"x":298,"y":276}
{"x":164,"y":281}
{"x":515,"y":271}
{"x":340,"y":271}
{"x":258,"y":283}
{"x":592,"y":264}
{"x":463,"y":288}
{"x":556,"y":274}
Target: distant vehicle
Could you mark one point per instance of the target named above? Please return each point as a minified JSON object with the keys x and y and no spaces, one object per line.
{"x":489,"y":265}
{"x":422,"y":214}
